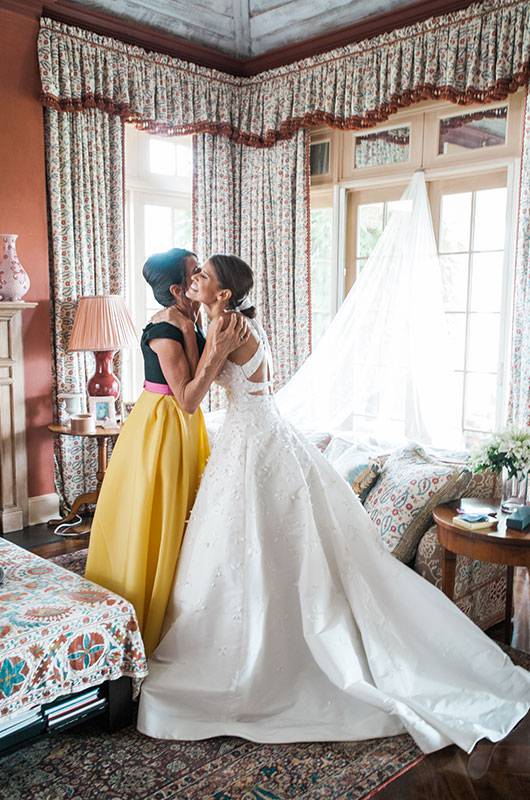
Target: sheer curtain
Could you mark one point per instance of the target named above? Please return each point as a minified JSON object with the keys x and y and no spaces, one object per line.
{"x":381,"y":368}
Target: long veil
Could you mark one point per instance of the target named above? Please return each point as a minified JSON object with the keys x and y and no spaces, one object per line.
{"x":381,"y":368}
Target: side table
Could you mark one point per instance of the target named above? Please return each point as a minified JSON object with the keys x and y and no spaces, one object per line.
{"x":501,"y":546}
{"x":102,"y":435}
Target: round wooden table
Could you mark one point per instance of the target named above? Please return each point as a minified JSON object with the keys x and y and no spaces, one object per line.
{"x":102,"y":435}
{"x":500,"y":546}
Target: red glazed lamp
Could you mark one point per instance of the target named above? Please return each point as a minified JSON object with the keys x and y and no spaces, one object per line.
{"x":102,"y":325}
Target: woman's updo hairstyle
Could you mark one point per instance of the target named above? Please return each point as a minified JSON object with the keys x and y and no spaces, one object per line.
{"x":162,"y":270}
{"x":235,"y":274}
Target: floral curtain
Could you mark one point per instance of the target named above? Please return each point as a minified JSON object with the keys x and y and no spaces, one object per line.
{"x":84,"y":156}
{"x":481,"y":52}
{"x":519,"y":411}
{"x":255,"y":203}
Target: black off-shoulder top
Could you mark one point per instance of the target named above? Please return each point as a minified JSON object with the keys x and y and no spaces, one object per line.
{"x":162,"y":330}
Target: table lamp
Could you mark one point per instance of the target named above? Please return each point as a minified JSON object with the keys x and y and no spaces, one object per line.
{"x":102,"y":324}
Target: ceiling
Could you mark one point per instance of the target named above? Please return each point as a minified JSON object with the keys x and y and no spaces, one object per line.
{"x":244,"y":28}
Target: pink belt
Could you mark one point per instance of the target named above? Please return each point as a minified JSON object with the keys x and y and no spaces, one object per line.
{"x":157,"y":388}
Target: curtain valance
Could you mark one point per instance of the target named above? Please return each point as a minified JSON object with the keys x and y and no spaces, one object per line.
{"x":477,"y":54}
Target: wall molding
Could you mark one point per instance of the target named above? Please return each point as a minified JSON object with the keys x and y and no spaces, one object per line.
{"x":160,"y":42}
{"x":43,"y":507}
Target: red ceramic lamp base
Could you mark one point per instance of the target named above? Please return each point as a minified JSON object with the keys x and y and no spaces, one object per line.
{"x":103,"y":383}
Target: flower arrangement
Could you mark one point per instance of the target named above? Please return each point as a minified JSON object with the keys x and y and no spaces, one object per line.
{"x":509,"y":450}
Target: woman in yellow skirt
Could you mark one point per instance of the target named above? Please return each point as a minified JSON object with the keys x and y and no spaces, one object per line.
{"x":158,"y":460}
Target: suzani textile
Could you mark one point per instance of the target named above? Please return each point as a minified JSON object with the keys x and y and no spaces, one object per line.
{"x":60,"y":633}
{"x":85,"y":196}
{"x":254,"y":202}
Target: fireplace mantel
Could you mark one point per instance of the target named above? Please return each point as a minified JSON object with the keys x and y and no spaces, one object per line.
{"x":13,"y":456}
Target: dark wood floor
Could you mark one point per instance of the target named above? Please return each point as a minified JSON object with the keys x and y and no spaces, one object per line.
{"x":500,"y":772}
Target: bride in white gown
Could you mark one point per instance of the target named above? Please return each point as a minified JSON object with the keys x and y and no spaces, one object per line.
{"x":289,"y":620}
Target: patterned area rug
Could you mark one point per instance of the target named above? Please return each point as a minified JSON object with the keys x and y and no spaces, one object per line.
{"x":75,"y":561}
{"x":90,"y":764}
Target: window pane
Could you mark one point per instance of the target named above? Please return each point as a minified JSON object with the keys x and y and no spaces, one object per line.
{"x":486,"y":128}
{"x":184,"y":156}
{"x":383,"y":147}
{"x":454,"y":270}
{"x":162,"y":157}
{"x":319,"y":158}
{"x":369,"y":227}
{"x":490,"y":218}
{"x":456,"y":329}
{"x":157,"y":229}
{"x":483,"y":344}
{"x":481,"y":395}
{"x":455,"y":220}
{"x":182,"y":233}
{"x":456,"y":383}
{"x":486,"y":281}
{"x":473,"y":439}
{"x":322,"y":282}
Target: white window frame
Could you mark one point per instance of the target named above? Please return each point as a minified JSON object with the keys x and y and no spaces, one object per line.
{"x":142,"y":188}
{"x":436,"y":166}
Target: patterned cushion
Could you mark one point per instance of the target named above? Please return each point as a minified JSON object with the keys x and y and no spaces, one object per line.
{"x":480,"y":587}
{"x":365,"y":480}
{"x":485,"y":485}
{"x":411,"y":484}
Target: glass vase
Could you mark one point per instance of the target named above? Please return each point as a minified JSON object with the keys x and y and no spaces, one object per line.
{"x":514,"y":490}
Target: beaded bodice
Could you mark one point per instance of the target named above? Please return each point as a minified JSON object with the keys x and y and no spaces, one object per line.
{"x":238,"y":379}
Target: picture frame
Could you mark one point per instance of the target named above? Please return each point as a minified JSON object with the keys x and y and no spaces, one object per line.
{"x":103,"y":409}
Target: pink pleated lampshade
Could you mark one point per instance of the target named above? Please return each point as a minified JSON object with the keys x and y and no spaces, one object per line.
{"x":102,"y":323}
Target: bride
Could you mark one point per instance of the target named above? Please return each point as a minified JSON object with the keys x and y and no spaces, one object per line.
{"x":289,"y":620}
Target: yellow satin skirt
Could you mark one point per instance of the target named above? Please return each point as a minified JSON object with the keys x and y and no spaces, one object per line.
{"x":146,"y":497}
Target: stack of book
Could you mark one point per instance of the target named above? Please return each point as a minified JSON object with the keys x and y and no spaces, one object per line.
{"x":64,"y":711}
{"x":475,"y":522}
{"x":22,"y":721}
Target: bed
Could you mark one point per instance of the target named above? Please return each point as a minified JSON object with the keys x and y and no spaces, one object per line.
{"x":68,"y":648}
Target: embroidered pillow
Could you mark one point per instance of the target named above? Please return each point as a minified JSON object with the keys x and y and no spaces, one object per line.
{"x":411,"y":484}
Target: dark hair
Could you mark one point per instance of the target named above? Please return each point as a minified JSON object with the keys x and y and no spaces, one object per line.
{"x":162,"y":270}
{"x":235,"y":274}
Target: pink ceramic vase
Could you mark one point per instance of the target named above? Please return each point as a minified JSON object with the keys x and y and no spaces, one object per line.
{"x":14,"y":280}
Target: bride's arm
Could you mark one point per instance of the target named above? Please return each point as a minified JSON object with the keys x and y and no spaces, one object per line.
{"x":189,"y":391}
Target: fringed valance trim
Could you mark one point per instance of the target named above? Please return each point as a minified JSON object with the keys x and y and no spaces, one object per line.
{"x":477,"y":55}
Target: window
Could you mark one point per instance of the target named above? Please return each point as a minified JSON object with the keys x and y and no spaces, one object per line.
{"x":319,"y":158}
{"x":470,"y":217}
{"x":470,"y":164}
{"x":158,"y":184}
{"x":323,"y":289}
{"x":485,"y":128}
{"x":383,"y":147}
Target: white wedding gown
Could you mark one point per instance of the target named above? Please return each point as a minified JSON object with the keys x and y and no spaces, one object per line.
{"x":290,"y":621}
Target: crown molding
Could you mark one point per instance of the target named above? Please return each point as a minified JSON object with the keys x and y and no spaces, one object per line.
{"x":158,"y":41}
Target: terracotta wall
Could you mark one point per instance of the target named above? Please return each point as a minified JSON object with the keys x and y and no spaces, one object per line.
{"x":23,"y":211}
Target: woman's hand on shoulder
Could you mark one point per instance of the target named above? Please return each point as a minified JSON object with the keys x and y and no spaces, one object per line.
{"x":228,"y":332}
{"x":175,"y":316}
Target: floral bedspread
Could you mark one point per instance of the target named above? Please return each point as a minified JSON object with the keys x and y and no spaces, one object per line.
{"x":59,"y":633}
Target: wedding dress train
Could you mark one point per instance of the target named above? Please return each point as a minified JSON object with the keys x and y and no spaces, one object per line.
{"x":290,"y":621}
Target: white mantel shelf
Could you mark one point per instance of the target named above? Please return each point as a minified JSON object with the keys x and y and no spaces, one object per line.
{"x":16,"y":305}
{"x":13,"y":456}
